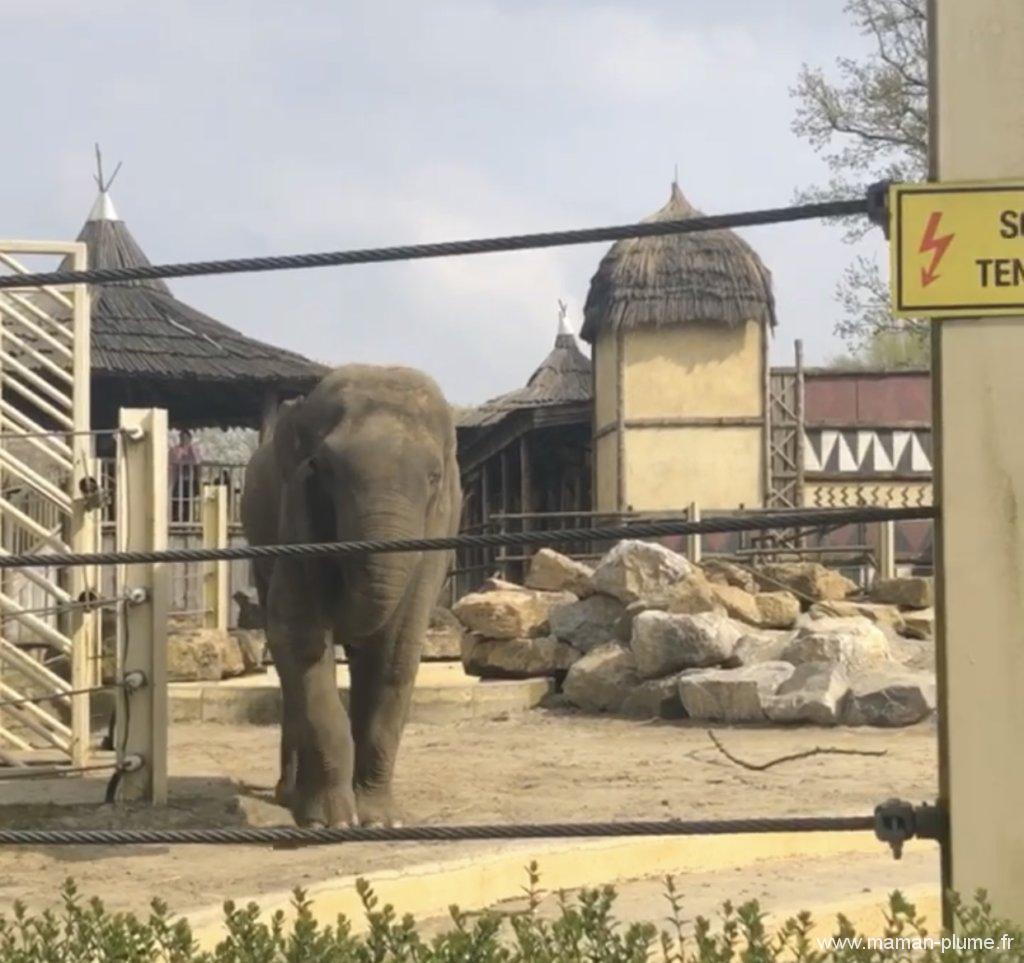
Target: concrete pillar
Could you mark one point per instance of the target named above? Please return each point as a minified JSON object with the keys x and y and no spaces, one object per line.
{"x":978,"y":134}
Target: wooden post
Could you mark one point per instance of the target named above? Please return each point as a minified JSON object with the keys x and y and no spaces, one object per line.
{"x":978,"y":134}
{"x":84,"y":523}
{"x":142,"y":633}
{"x":886,"y":550}
{"x":216,"y":575}
{"x":693,"y":542}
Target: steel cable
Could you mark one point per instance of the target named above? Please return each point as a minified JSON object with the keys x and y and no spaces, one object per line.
{"x":235,"y":835}
{"x":411,"y":252}
{"x":646,"y":529}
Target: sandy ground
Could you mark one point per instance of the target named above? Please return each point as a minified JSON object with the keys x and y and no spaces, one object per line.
{"x":544,"y":765}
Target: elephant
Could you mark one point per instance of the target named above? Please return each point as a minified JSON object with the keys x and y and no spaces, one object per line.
{"x":369,"y":453}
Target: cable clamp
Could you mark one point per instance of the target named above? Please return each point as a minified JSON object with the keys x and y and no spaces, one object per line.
{"x":130,"y":763}
{"x":137,"y":596}
{"x":897,"y":820}
{"x":134,"y":680}
{"x":878,"y":205}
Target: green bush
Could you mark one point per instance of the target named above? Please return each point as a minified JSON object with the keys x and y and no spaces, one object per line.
{"x":583,"y":929}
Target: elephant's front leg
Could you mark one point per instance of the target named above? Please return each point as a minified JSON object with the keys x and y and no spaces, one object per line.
{"x":383,"y":673}
{"x":314,"y":724}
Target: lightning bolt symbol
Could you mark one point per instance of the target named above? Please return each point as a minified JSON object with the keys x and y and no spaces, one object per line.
{"x":937,"y":245}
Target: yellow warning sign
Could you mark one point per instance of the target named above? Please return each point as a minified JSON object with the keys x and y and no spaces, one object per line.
{"x":957,"y":249}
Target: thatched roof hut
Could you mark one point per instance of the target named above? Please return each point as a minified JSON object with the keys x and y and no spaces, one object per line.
{"x":711,"y":277}
{"x":150,"y":349}
{"x":562,"y":378}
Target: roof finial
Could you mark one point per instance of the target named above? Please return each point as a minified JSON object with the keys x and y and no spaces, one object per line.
{"x":675,"y":175}
{"x":104,"y":186}
{"x":563,"y":323}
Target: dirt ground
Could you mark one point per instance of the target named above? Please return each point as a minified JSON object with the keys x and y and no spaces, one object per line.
{"x":544,"y":765}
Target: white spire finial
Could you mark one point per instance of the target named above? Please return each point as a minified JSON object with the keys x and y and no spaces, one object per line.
{"x":563,"y":323}
{"x":103,"y":209}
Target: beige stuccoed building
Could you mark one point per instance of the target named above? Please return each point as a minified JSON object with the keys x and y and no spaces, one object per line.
{"x":679,"y":328}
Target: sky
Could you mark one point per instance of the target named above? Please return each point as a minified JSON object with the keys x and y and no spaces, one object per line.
{"x":251,"y":127}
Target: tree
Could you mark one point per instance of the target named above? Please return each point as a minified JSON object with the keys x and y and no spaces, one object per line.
{"x":870,"y":123}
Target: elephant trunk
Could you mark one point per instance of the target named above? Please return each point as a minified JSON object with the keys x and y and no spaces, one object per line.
{"x":376,"y":584}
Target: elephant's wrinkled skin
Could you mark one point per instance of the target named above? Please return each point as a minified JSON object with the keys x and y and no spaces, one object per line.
{"x":368,"y":454}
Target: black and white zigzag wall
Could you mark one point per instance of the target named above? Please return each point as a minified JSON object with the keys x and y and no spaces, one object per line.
{"x":866,"y":452}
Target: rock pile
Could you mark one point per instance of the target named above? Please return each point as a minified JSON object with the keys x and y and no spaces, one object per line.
{"x":648,"y":633}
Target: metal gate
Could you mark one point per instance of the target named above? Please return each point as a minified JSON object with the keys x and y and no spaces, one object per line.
{"x":49,"y":500}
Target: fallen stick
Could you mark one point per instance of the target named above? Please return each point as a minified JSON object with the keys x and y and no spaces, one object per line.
{"x":817,"y":751}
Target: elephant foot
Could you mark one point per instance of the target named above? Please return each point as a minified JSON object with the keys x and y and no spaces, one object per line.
{"x":333,"y":807}
{"x":376,"y":808}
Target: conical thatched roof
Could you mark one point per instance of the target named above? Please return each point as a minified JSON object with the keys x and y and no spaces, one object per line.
{"x":712,"y":277}
{"x":562,"y":378}
{"x":140,"y":330}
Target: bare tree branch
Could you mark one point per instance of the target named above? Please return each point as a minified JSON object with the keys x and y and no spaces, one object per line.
{"x":817,"y":751}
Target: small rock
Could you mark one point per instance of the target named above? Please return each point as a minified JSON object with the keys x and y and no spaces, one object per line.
{"x":808,"y":579}
{"x":550,"y":571}
{"x":889,"y":699}
{"x":882,"y":615}
{"x":495,"y":584}
{"x":727,"y":573}
{"x":654,"y":699}
{"x":764,"y":646}
{"x":813,"y":693}
{"x":777,"y":610}
{"x":917,"y":655}
{"x":252,"y":644}
{"x":919,"y":624}
{"x":624,"y":627}
{"x":664,"y":643}
{"x":517,"y":658}
{"x":588,"y":622}
{"x":737,"y":603}
{"x":916,"y":592}
{"x":731,"y":695}
{"x":507,"y":614}
{"x":635,"y":569}
{"x":443,"y":638}
{"x":856,"y":644}
{"x":602,"y":679}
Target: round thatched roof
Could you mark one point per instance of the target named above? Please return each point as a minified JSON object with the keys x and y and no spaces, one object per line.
{"x":562,"y":378}
{"x":712,"y":277}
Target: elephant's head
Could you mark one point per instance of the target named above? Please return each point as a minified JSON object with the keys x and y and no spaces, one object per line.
{"x":369,"y":454}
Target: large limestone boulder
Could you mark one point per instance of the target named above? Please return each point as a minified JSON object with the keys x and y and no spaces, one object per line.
{"x":602,"y":679}
{"x":550,"y":571}
{"x":856,"y":644}
{"x":508,"y":613}
{"x":635,"y":569}
{"x":690,"y":596}
{"x":202,"y":655}
{"x":721,"y":572}
{"x":919,"y":624}
{"x":917,"y":655}
{"x":807,"y":579}
{"x":813,"y":693}
{"x":588,"y":622}
{"x":731,"y":695}
{"x":917,"y":592}
{"x":654,"y":699}
{"x":765,"y":645}
{"x":886,"y":616}
{"x":663,"y":642}
{"x":777,"y":610}
{"x":517,"y":658}
{"x":737,"y":603}
{"x":889,"y":699}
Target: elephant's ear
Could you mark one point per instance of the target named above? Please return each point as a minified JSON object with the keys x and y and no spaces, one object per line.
{"x":453,"y":484}
{"x":292,"y":449}
{"x":292,"y":437}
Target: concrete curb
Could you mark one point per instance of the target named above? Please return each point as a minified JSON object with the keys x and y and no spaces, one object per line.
{"x":474,"y":883}
{"x":261,"y":705}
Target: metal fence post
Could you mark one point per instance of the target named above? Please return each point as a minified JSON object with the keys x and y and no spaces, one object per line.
{"x":142,"y":632}
{"x":693,"y":542}
{"x":216,"y":576}
{"x":887,"y":549}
